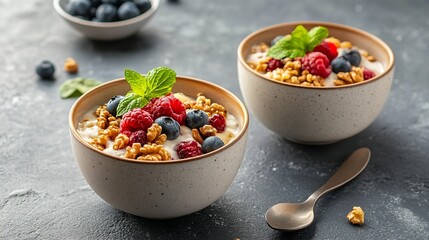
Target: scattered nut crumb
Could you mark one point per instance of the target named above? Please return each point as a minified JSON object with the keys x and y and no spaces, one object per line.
{"x":70,"y":65}
{"x":356,"y":216}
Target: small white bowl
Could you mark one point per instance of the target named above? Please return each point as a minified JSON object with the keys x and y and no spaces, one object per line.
{"x":105,"y":30}
{"x":164,"y":189}
{"x":315,"y":115}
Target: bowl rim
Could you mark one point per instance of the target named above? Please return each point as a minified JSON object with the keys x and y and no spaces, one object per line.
{"x":389,"y":51}
{"x":108,"y":84}
{"x":66,"y":15}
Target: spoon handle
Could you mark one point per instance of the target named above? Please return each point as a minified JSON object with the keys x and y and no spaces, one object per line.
{"x":351,"y":167}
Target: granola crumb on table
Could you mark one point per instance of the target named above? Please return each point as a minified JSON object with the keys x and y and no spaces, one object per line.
{"x":356,"y":216}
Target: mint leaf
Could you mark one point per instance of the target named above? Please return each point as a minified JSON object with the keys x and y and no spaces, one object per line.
{"x":76,"y":87}
{"x":316,"y":36}
{"x":130,"y":102}
{"x":136,"y":81}
{"x":160,"y":81}
{"x":157,"y":83}
{"x":298,"y":43}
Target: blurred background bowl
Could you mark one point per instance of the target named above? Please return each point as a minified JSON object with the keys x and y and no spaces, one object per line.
{"x":106,"y":31}
{"x":315,"y":115}
{"x":165,"y":189}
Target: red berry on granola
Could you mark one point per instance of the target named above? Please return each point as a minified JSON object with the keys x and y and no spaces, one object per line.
{"x":317,"y":64}
{"x":136,"y":119}
{"x":169,"y":106}
{"x":327,"y":48}
{"x":273,"y":64}
{"x":138,"y":136}
{"x":218,"y":121}
{"x":367,"y":74}
{"x":188,"y":149}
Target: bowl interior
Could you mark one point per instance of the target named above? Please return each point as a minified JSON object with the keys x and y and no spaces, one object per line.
{"x":189,"y":86}
{"x":60,"y":6}
{"x":358,"y":38}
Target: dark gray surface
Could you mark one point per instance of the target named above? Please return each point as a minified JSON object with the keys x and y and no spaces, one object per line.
{"x":43,"y":195}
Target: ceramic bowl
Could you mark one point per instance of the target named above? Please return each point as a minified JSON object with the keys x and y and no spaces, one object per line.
{"x":164,"y":189}
{"x":315,"y":115}
{"x":105,"y":31}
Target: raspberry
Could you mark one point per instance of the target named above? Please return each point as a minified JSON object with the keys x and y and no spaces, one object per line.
{"x":218,"y":121}
{"x":273,"y":64}
{"x":188,"y":149}
{"x":367,"y":74}
{"x":327,"y":48}
{"x":169,"y":106}
{"x":317,"y":64}
{"x":136,"y":119}
{"x":138,"y":136}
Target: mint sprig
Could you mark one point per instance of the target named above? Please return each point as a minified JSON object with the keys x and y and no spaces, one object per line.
{"x":157,"y":83}
{"x":298,"y":42}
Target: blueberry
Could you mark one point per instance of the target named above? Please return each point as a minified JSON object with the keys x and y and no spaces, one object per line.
{"x":143,"y":5}
{"x":170,"y":127}
{"x":353,"y":57}
{"x":340,"y":64}
{"x":128,"y":10}
{"x":113,"y":2}
{"x":211,"y":143}
{"x":95,"y":3}
{"x":276,"y":39}
{"x":196,"y":119}
{"x":45,"y":69}
{"x":113,"y":103}
{"x":106,"y":12}
{"x":79,"y":7}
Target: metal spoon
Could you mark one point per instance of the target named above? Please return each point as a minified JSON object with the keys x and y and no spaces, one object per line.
{"x":295,"y":216}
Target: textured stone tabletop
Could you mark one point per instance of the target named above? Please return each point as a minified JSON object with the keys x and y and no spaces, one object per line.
{"x":44,"y":196}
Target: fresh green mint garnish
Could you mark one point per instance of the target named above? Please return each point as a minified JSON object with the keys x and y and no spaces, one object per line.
{"x":77,"y":86}
{"x":157,"y":83}
{"x":298,"y":43}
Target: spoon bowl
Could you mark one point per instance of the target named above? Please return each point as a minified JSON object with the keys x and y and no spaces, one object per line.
{"x":293,"y":216}
{"x":296,"y":216}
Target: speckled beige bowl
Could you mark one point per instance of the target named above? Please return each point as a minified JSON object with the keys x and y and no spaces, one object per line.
{"x":106,"y":31}
{"x":315,"y":115}
{"x":159,"y":189}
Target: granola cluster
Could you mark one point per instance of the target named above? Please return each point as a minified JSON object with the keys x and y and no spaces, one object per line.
{"x":205,"y":104}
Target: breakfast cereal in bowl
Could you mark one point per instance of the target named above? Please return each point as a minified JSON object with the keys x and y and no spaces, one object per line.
{"x":313,"y":58}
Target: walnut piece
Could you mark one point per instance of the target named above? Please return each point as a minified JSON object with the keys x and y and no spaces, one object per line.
{"x":205,"y":104}
{"x":197,"y":136}
{"x":121,"y":141}
{"x":208,"y":130}
{"x":70,"y":65}
{"x":154,"y":134}
{"x":356,"y":216}
{"x":154,"y":152}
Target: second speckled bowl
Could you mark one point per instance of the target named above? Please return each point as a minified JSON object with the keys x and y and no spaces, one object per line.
{"x":315,"y":115}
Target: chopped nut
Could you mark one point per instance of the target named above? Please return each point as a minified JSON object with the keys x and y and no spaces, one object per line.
{"x":371,"y":58}
{"x":133,"y":151}
{"x":333,"y":40}
{"x":197,"y":136}
{"x":70,"y":65}
{"x":356,"y":216}
{"x":345,"y":76}
{"x":121,"y":141}
{"x":208,"y":130}
{"x":339,"y":82}
{"x":154,"y":152}
{"x":346,"y":44}
{"x":205,"y":104}
{"x":154,"y":134}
